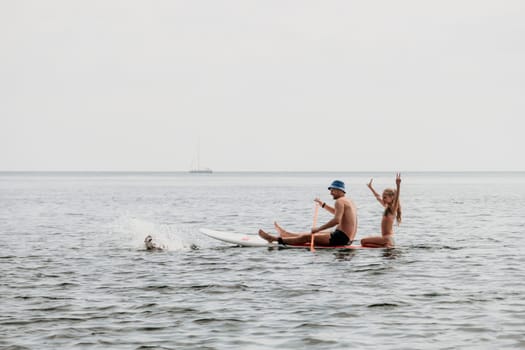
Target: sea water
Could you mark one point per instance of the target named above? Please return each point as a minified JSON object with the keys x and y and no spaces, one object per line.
{"x":74,"y":273}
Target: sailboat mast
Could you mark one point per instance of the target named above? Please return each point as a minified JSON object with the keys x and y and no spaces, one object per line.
{"x":198,"y":168}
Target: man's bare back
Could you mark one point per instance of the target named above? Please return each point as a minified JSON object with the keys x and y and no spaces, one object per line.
{"x":348,"y":223}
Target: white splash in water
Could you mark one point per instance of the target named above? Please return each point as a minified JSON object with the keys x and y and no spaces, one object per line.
{"x":169,"y":237}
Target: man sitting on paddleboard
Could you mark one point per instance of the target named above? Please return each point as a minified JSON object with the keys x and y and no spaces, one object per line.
{"x":345,"y":220}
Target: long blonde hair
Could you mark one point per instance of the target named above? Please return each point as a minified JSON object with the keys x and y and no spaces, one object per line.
{"x":391,"y":192}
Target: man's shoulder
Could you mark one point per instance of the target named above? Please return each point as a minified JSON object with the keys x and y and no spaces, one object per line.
{"x":345,"y":201}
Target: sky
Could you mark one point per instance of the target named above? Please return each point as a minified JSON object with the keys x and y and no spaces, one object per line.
{"x":252,"y":85}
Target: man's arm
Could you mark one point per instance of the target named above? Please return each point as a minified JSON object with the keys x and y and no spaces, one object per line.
{"x":324,"y":205}
{"x":338,"y":217}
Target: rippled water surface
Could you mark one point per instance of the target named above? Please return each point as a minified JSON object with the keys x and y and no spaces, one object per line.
{"x":75,"y":274}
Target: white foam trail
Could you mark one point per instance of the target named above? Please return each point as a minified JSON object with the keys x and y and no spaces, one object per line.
{"x":171,"y":237}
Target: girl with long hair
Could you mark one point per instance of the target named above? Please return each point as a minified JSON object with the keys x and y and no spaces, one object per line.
{"x":390,"y":201}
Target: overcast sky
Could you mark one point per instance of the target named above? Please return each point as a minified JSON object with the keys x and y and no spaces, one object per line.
{"x":262,"y":85}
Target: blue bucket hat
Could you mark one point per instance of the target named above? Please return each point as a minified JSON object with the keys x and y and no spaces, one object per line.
{"x":337,"y":185}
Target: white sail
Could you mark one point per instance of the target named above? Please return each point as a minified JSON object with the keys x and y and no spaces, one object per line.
{"x":196,"y":166}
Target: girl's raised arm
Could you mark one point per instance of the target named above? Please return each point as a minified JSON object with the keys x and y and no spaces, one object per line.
{"x":395,"y":204}
{"x":378,"y":197}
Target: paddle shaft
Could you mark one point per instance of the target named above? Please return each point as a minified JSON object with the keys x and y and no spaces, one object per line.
{"x":312,"y":249}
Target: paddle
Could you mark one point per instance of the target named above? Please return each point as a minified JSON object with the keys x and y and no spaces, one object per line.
{"x":312,"y":249}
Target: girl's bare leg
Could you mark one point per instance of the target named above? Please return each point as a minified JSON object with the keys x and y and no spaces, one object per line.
{"x":377,"y":242}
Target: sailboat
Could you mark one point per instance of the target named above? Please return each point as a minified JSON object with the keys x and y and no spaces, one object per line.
{"x":196,"y":167}
{"x":201,"y":171}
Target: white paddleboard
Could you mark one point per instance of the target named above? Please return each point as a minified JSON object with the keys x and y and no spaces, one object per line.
{"x":253,"y":240}
{"x":241,"y":239}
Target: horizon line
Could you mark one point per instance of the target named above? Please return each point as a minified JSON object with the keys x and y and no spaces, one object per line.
{"x":263,"y":171}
